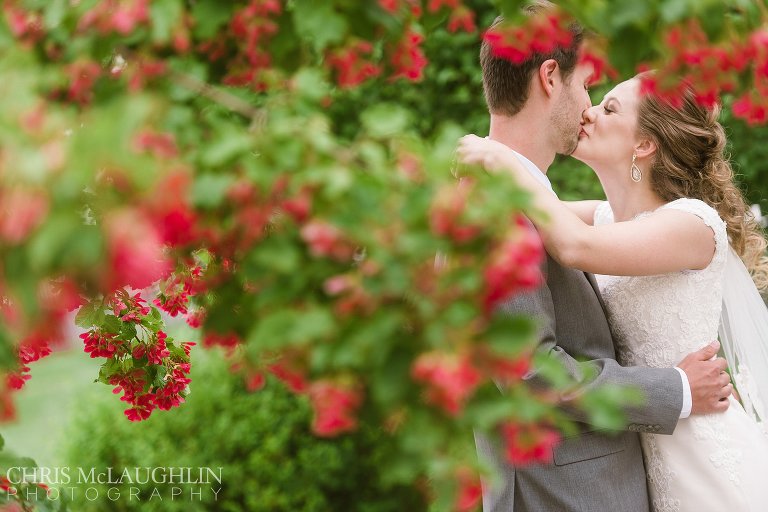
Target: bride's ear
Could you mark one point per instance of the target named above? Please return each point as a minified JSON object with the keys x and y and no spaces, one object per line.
{"x":645,"y":148}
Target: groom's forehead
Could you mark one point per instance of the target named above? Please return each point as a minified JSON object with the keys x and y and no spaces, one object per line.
{"x":586,"y":70}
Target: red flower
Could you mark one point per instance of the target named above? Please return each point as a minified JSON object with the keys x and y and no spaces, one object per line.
{"x":289,"y":375}
{"x":325,"y":240}
{"x":470,"y":491}
{"x":514,"y":265}
{"x":450,"y":378}
{"x":109,"y":16}
{"x":25,"y":25}
{"x":749,"y":110}
{"x":82,"y":77}
{"x":527,"y":443}
{"x":462,"y":18}
{"x":31,"y":349}
{"x":154,"y":351}
{"x":195,"y":318}
{"x":351,"y":67}
{"x":445,"y":214}
{"x":252,"y":27}
{"x":21,"y":212}
{"x":334,"y":406}
{"x":436,"y":5}
{"x":600,"y":65}
{"x":391,"y":6}
{"x":176,"y":290}
{"x":338,"y":284}
{"x":172,"y":393}
{"x":129,"y":308}
{"x":255,"y":381}
{"x":142,"y":408}
{"x":7,"y":409}
{"x":508,"y":371}
{"x":144,"y":70}
{"x":229,"y":341}
{"x":101,"y":344}
{"x":135,"y":250}
{"x":130,"y":384}
{"x":17,"y":380}
{"x":161,"y":145}
{"x":170,"y":211}
{"x":407,"y":58}
{"x":541,"y":34}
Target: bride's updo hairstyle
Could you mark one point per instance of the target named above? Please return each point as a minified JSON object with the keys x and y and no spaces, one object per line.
{"x":690,"y":162}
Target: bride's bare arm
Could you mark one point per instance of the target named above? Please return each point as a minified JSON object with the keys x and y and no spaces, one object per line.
{"x":584,"y":210}
{"x":667,"y":241}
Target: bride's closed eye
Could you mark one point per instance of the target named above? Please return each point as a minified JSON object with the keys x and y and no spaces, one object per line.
{"x":608,"y":111}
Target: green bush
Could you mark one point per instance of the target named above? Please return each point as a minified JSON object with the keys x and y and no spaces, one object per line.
{"x":270,"y":460}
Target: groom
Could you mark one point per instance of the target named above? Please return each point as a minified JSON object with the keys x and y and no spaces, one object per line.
{"x":536,"y":109}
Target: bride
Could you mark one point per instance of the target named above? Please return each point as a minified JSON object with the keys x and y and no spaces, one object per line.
{"x":670,"y":250}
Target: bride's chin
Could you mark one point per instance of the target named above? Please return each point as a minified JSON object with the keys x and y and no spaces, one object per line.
{"x":579,"y":153}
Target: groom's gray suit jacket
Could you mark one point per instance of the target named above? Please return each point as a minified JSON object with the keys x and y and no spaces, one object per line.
{"x":592,"y":471}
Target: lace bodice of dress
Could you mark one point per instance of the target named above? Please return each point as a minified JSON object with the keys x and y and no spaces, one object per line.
{"x":658,"y":320}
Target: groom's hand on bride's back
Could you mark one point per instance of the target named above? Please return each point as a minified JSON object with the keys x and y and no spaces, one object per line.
{"x":710,"y":384}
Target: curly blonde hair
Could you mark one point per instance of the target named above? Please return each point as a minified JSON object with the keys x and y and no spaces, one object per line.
{"x":690,"y":161}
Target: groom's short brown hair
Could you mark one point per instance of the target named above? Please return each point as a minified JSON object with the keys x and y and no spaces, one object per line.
{"x":506,"y":84}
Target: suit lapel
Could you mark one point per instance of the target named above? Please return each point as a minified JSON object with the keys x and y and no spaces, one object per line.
{"x":593,"y":283}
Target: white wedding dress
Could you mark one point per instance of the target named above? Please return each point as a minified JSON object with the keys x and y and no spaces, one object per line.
{"x":715,"y":462}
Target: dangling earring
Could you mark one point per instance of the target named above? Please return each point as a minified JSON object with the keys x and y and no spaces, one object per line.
{"x":635,"y":171}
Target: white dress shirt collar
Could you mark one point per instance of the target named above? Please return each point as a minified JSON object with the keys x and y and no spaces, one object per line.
{"x":535,"y":171}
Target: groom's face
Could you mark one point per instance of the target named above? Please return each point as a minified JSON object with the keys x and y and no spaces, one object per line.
{"x":568,"y":109}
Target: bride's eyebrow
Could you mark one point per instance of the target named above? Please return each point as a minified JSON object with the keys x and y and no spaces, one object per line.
{"x":608,"y":99}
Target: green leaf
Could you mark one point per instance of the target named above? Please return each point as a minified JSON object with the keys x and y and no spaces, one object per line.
{"x":165,"y":15}
{"x":210,"y":16}
{"x":318,"y":24}
{"x":227,"y":147}
{"x":510,"y":335}
{"x":208,"y":190}
{"x":673,"y":11}
{"x":311,"y":84}
{"x":112,"y":324}
{"x":385,"y":120}
{"x":88,"y":315}
{"x":128,"y":331}
{"x":315,"y":324}
{"x":274,"y":330}
{"x":276,"y":255}
{"x":54,"y":13}
{"x":47,"y":244}
{"x":289,"y":327}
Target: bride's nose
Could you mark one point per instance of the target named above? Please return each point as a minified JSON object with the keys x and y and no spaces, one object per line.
{"x":588,"y":116}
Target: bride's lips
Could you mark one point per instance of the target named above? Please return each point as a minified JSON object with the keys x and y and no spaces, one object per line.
{"x":583,"y":133}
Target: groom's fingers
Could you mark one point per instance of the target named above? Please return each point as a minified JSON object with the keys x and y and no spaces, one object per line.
{"x":709,"y":351}
{"x":721,"y":364}
{"x":726,"y":392}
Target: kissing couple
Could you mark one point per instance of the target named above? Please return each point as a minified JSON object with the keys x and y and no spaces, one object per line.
{"x":637,"y":288}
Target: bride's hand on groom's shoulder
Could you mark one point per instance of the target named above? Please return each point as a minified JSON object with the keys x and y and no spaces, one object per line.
{"x":710,"y":383}
{"x":493,"y":156}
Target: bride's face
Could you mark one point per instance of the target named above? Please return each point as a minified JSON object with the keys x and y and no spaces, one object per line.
{"x":607,"y":137}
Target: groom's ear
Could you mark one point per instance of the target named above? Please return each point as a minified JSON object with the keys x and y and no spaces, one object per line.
{"x":645,"y":148}
{"x":549,"y":76}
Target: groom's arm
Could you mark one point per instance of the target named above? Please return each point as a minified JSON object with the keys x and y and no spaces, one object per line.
{"x":661,"y":387}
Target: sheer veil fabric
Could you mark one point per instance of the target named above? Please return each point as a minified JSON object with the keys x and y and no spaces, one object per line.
{"x":744,"y":338}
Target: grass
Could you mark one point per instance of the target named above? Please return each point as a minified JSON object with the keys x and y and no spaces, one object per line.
{"x":45,"y":406}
